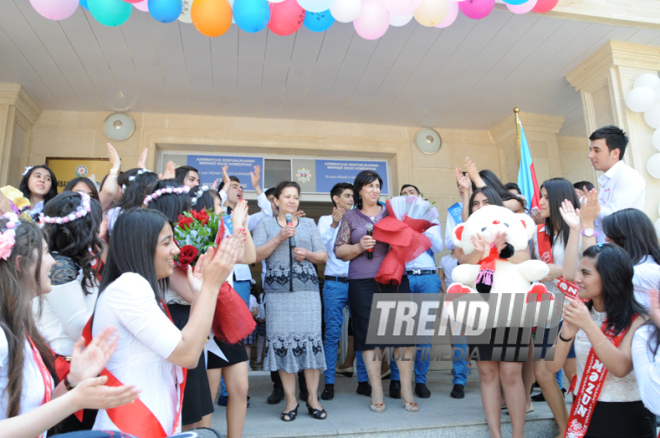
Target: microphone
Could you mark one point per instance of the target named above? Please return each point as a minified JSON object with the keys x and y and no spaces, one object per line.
{"x":289,"y":223}
{"x":370,"y":230}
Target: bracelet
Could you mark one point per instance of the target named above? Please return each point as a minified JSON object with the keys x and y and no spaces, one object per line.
{"x":68,"y":384}
{"x":563,"y":339}
{"x":114,"y":172}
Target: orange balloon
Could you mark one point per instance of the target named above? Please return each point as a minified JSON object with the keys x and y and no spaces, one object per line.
{"x":212,"y":18}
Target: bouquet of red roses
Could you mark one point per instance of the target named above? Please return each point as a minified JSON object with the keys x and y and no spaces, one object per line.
{"x":194,"y":233}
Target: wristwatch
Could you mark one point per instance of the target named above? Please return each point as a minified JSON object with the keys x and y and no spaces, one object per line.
{"x":589,"y":232}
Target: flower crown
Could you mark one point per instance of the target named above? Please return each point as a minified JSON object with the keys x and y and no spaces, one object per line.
{"x":27,"y":169}
{"x":200,"y":192}
{"x":7,"y":237}
{"x":166,"y":191}
{"x":81,"y":211}
{"x":132,"y":177}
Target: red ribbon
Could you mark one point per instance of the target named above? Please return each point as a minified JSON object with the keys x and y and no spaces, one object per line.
{"x":406,"y":244}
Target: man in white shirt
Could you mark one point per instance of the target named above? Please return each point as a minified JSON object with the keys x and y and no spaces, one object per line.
{"x":423,"y":278}
{"x":621,"y":186}
{"x":335,"y":292}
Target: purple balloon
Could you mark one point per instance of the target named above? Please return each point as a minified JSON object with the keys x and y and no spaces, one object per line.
{"x":55,"y":9}
{"x":477,"y":9}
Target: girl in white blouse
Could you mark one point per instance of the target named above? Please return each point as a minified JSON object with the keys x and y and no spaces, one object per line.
{"x":646,"y":356}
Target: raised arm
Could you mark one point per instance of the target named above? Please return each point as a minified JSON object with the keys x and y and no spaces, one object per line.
{"x":571,"y":253}
{"x":110,"y":186}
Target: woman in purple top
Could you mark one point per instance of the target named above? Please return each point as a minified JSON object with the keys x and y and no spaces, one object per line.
{"x":354,"y":245}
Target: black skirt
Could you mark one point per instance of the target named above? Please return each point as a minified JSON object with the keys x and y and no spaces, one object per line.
{"x":234,"y":353}
{"x":197,"y":400}
{"x":505,"y":351}
{"x":621,"y":420}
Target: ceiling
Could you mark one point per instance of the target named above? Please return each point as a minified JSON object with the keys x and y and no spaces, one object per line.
{"x":468,"y":76}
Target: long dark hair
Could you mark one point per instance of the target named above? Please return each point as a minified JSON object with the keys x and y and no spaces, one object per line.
{"x":632,"y":230}
{"x":17,"y":287}
{"x":558,"y":189}
{"x":24,"y":187}
{"x":489,"y":193}
{"x":171,"y":205}
{"x":133,"y":245}
{"x":491,"y":180}
{"x":76,"y":239}
{"x":137,"y":189}
{"x":204,"y":199}
{"x":616,"y":278}
{"x":362,"y":179}
{"x":92,"y":187}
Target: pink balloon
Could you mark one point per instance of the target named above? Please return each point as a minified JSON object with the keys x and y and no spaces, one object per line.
{"x":543,"y":6}
{"x":477,"y":9}
{"x":142,"y":6}
{"x":373,"y":21}
{"x":132,"y":1}
{"x":286,"y":17}
{"x":523,"y":8}
{"x":55,"y":9}
{"x":452,"y":14}
{"x":401,"y":7}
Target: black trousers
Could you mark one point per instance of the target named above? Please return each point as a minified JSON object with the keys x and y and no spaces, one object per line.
{"x":277,"y":382}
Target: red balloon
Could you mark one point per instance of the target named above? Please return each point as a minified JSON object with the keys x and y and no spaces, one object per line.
{"x":286,"y":17}
{"x":543,"y":6}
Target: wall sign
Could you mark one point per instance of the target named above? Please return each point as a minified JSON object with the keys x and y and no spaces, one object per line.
{"x":331,"y":172}
{"x":210,"y":168}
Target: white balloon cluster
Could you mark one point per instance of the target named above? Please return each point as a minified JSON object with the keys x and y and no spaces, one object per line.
{"x":645,"y":98}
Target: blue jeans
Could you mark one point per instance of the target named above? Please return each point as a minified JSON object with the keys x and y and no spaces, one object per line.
{"x":429,"y":284}
{"x":335,"y":297}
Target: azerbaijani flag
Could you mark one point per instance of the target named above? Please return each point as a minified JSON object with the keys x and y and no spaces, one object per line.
{"x":527,"y":182}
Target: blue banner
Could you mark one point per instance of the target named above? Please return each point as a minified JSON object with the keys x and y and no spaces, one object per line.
{"x":456,"y":212}
{"x":331,"y":172}
{"x":210,"y":168}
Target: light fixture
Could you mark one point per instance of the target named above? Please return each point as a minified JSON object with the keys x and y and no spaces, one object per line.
{"x":428,"y":141}
{"x":118,"y":126}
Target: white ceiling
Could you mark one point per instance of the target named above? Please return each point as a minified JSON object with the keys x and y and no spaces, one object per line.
{"x":467,"y":76}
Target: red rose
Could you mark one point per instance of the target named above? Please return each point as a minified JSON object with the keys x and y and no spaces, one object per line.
{"x":187,"y":255}
{"x":185,"y":223}
{"x":202,"y":216}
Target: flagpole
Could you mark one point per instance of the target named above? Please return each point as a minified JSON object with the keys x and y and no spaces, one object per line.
{"x":516,"y":111}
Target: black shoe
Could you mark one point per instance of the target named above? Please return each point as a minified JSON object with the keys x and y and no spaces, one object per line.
{"x":276,"y":396}
{"x":458,"y":391}
{"x":563,"y":392}
{"x":319,"y":414}
{"x":303,"y":395}
{"x":395,"y":388}
{"x":222,"y":401}
{"x":422,"y":391}
{"x":364,"y":388}
{"x":538,"y":398}
{"x":329,"y":392}
{"x":291,"y":415}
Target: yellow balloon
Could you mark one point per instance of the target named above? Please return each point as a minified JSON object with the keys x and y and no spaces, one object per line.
{"x":212,"y":18}
{"x":431,"y":12}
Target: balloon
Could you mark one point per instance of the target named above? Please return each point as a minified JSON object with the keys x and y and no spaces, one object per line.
{"x":452,"y":14}
{"x":132,"y":1}
{"x":656,"y":139}
{"x":316,"y":5}
{"x":522,"y":8}
{"x":640,"y":99}
{"x":431,"y":12}
{"x":251,"y":15}
{"x":514,"y":2}
{"x":142,"y":6}
{"x":83,"y":3}
{"x":373,"y":20}
{"x":212,"y":18}
{"x":653,"y":167}
{"x":275,"y":1}
{"x":285,"y":17}
{"x":650,"y":80}
{"x":165,"y":11}
{"x":110,"y":12}
{"x":185,"y":11}
{"x":543,"y":6}
{"x":477,"y":9}
{"x":345,"y":11}
{"x":652,"y":116}
{"x":401,"y":7}
{"x":318,"y":21}
{"x":657,"y":227}
{"x":55,"y":9}
{"x":400,"y":20}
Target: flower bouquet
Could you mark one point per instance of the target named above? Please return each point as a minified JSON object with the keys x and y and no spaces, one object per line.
{"x":194,"y":233}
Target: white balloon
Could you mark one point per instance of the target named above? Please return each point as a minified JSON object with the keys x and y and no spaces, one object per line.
{"x":652,"y":116}
{"x":185,"y":11}
{"x":656,"y":139}
{"x":316,"y":5}
{"x":653,"y":166}
{"x":657,"y":227}
{"x":640,"y":99}
{"x":345,"y":11}
{"x":275,"y":1}
{"x":400,"y":20}
{"x":647,"y":80}
{"x":656,"y":90}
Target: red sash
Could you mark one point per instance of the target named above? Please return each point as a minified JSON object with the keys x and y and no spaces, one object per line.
{"x":135,"y":418}
{"x":45,"y":375}
{"x":591,"y":384}
{"x":545,"y":251}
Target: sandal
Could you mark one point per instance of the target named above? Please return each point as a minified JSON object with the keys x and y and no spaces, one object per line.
{"x":291,"y":414}
{"x":410,"y":406}
{"x":378,"y":407}
{"x":319,"y":414}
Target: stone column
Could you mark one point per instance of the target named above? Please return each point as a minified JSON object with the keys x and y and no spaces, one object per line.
{"x":603,"y":80}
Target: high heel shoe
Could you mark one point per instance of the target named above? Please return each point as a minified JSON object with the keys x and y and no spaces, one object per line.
{"x":291,"y":414}
{"x":348,"y":371}
{"x":319,"y":414}
{"x":409,"y":406}
{"x":378,"y":407}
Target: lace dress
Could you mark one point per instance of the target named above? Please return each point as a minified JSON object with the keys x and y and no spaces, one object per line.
{"x":293,"y":314}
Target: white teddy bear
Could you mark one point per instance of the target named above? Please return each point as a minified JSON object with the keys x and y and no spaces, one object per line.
{"x":493,"y":274}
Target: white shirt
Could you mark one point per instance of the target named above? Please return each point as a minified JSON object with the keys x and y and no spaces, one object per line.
{"x":647,"y":277}
{"x":447,"y":264}
{"x":147,"y":338}
{"x":333,"y":267}
{"x":424,"y":261}
{"x":647,"y":368}
{"x":449,"y":230}
{"x":34,"y":389}
{"x":37,"y":208}
{"x":620,"y":187}
{"x":240,"y":271}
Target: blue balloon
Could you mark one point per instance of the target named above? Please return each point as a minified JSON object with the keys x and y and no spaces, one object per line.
{"x":251,"y":15}
{"x":318,"y":21}
{"x":165,"y":11}
{"x":83,"y":3}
